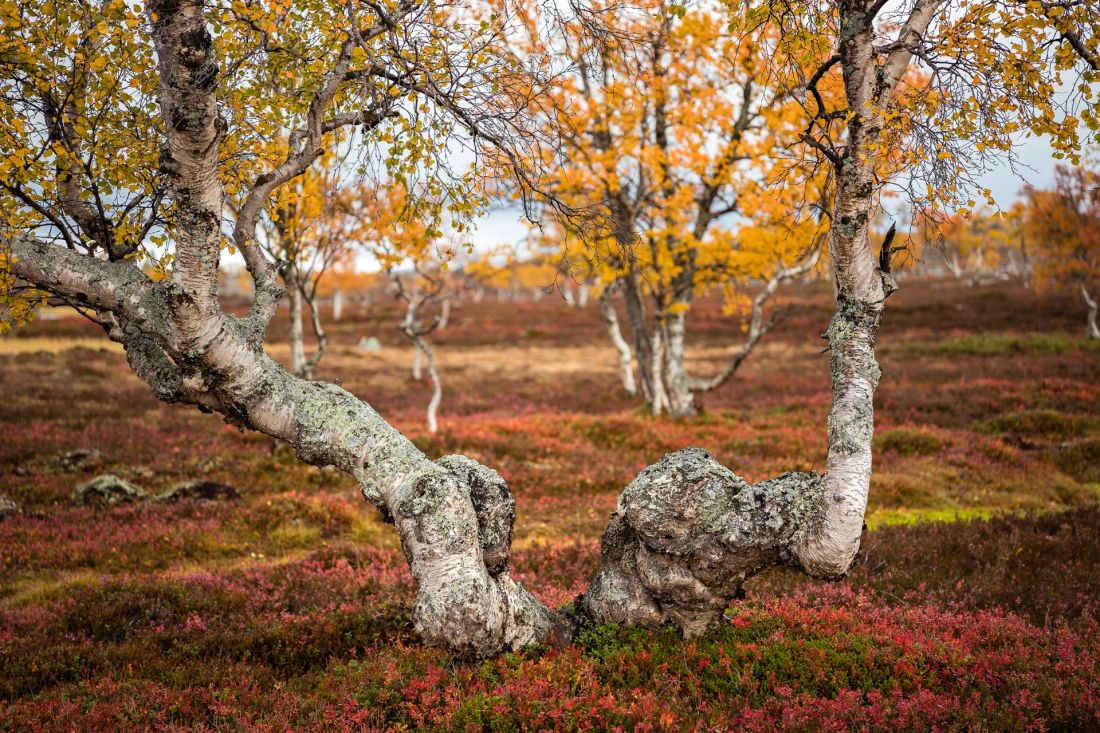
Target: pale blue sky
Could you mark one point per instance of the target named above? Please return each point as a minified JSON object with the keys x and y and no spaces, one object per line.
{"x":505,"y":225}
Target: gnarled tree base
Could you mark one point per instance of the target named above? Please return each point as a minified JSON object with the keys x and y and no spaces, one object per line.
{"x":686,"y":535}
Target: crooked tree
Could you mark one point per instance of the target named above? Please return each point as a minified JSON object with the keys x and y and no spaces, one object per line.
{"x":119,"y":126}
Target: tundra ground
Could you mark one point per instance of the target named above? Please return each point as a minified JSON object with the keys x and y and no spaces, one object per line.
{"x":974,"y":603}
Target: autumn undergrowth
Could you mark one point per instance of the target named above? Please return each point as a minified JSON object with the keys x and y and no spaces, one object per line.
{"x":973,"y":604}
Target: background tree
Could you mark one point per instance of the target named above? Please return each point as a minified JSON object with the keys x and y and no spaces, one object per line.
{"x":307,"y":231}
{"x":424,"y":295}
{"x":981,"y":244}
{"x":669,"y":128}
{"x":1063,"y":226}
{"x":934,"y":92}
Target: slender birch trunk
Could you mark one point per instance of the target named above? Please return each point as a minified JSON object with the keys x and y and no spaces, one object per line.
{"x":1090,"y":302}
{"x":567,"y":292}
{"x":319,"y":334}
{"x":296,"y":334}
{"x":422,"y":346}
{"x":626,"y":359}
{"x":444,"y":315}
{"x":659,"y":405}
{"x":337,"y":304}
{"x":681,"y":397}
{"x":643,"y":345}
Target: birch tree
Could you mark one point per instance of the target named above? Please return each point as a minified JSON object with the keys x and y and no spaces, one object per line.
{"x":306,"y":232}
{"x":425,"y":298}
{"x":685,"y":534}
{"x":669,"y":127}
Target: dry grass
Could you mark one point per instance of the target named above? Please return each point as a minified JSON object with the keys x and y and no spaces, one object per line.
{"x":15,"y":346}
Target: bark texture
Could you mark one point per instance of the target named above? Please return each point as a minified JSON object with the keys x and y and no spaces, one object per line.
{"x":687,"y":533}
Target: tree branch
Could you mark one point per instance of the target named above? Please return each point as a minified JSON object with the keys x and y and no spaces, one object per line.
{"x":757,"y":326}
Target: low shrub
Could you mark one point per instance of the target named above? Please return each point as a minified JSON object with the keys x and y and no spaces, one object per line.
{"x":909,"y":441}
{"x":1035,"y":426}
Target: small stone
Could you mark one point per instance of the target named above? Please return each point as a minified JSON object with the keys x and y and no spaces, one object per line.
{"x":78,"y":460}
{"x":107,"y":490}
{"x":208,"y":490}
{"x":7,"y":507}
{"x":371,"y":345}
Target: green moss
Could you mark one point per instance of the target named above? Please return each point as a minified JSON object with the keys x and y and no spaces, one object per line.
{"x":895,"y":517}
{"x":295,"y":535}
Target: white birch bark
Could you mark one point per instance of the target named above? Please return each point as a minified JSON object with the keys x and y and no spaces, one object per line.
{"x":1090,"y":302}
{"x":422,"y":346}
{"x":444,"y":314}
{"x":337,"y":304}
{"x":296,"y":334}
{"x":567,"y":291}
{"x":622,"y":348}
{"x":681,"y":398}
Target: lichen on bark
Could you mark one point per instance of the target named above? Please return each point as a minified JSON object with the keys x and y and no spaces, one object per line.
{"x":687,"y":533}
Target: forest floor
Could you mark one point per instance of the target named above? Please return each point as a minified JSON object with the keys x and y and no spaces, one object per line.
{"x":974,"y":603}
